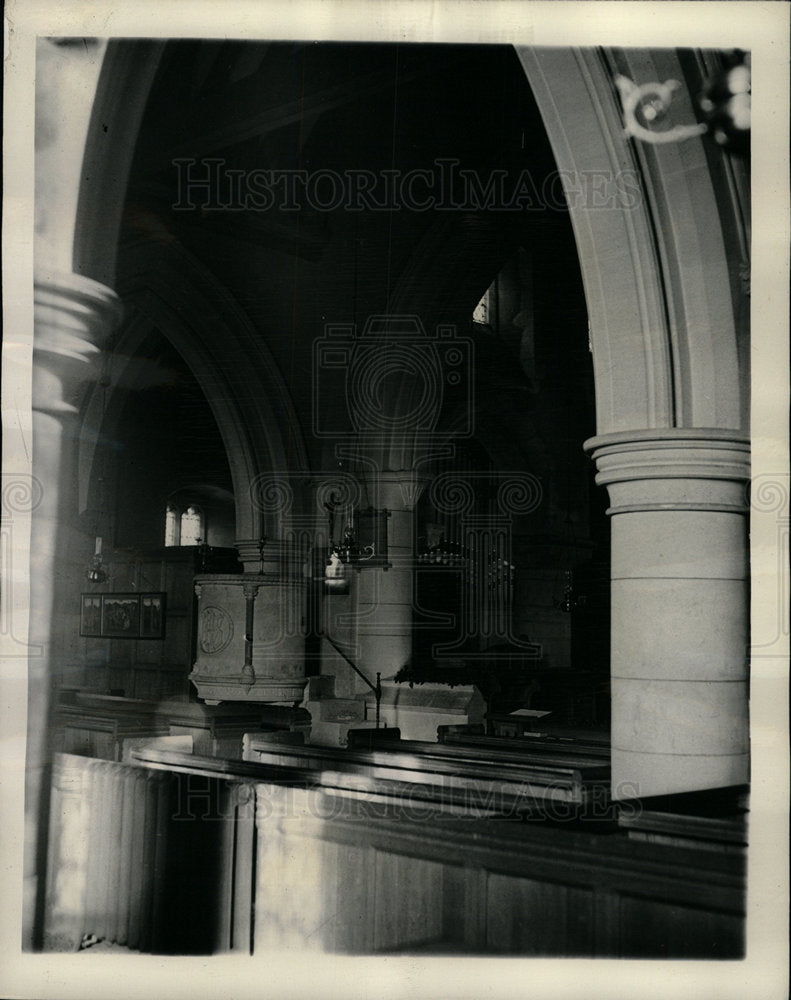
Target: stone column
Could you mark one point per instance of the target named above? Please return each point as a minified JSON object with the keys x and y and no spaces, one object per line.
{"x":679,"y":619}
{"x":250,"y":591}
{"x":384,"y":596}
{"x":72,"y":316}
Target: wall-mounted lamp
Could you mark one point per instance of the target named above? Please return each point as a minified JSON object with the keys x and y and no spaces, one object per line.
{"x":97,"y":573}
{"x":724,"y":104}
{"x":364,"y":543}
{"x":646,"y":106}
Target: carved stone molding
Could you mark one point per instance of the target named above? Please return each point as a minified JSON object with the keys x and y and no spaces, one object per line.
{"x":214,"y":690}
{"x":73,"y":317}
{"x":673,"y":469}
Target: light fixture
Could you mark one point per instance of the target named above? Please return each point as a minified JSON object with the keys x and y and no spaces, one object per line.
{"x":97,"y":573}
{"x":568,"y":602}
{"x":646,"y":106}
{"x":364,"y":541}
{"x":335,"y":580}
{"x":724,"y":105}
{"x":363,"y":544}
{"x":437,"y":550}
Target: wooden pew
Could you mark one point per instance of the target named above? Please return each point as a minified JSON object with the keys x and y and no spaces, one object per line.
{"x":106,"y":860}
{"x":528,"y":743}
{"x":189,"y":854}
{"x":100,"y":730}
{"x":99,"y":725}
{"x":520,"y":783}
{"x":341,"y":867}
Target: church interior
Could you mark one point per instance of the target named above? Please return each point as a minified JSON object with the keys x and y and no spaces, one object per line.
{"x":390,"y":563}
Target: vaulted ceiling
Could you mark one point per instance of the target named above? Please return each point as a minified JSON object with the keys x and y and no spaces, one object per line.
{"x":356,"y":119}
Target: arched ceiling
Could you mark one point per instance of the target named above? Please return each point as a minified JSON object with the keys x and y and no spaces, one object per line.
{"x":361,"y":116}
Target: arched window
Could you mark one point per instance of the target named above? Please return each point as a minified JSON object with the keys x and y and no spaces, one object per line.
{"x":172,"y":525}
{"x":199,"y":514}
{"x":192,"y":526}
{"x":482,"y":312}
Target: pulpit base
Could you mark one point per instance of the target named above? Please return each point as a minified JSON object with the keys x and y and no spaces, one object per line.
{"x":272,"y":690}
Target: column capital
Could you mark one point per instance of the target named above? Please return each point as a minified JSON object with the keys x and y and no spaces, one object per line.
{"x":250,"y":553}
{"x":702,"y":469}
{"x":250,"y":588}
{"x":396,"y":490}
{"x":74,"y":315}
{"x":276,"y":561}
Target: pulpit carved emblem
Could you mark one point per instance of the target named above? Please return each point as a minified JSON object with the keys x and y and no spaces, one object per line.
{"x":216,"y":629}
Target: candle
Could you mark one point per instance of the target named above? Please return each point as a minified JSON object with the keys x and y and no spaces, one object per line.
{"x":98,"y":551}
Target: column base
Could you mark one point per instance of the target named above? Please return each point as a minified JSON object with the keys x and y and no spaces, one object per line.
{"x":670,"y":774}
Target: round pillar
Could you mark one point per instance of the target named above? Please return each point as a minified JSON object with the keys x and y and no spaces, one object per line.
{"x":73,"y":315}
{"x":679,"y":618}
{"x":384,"y":596}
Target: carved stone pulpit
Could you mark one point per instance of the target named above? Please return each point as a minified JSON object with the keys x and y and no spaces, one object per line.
{"x":248,"y":646}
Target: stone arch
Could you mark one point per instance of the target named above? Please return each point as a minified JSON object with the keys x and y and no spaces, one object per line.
{"x":172,"y":293}
{"x":669,"y":376}
{"x":649,"y":228}
{"x":122,"y":88}
{"x":655,"y":266}
{"x":668,"y":337}
{"x":198,"y":315}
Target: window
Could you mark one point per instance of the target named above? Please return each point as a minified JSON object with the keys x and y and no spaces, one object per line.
{"x":172,"y":526}
{"x":482,"y":312}
{"x":185,"y":525}
{"x":192,"y":526}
